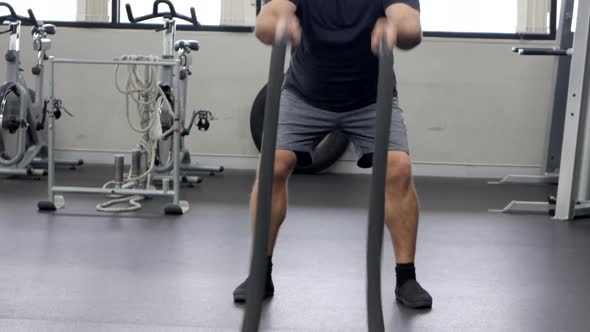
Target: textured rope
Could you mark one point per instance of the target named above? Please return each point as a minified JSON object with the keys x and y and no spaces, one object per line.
{"x":146,"y":95}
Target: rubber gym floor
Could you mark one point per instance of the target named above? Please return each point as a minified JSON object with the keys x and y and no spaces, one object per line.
{"x":81,"y":270}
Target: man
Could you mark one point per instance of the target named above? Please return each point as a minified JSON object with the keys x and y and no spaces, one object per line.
{"x":332,"y":83}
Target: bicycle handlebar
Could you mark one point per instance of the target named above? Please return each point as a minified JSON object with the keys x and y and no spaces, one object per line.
{"x":156,"y":13}
{"x":13,"y":17}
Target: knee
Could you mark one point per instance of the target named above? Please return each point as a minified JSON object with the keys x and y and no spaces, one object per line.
{"x":399,"y":172}
{"x":285,"y":162}
{"x":284,"y":165}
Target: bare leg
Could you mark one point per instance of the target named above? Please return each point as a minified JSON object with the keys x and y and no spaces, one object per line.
{"x":285,"y":162}
{"x":401,"y":207}
{"x":401,"y":217}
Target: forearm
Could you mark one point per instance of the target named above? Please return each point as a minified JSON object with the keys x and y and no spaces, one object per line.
{"x":265,"y":28}
{"x":268,"y":18}
{"x":408,"y":35}
{"x":407,"y":23}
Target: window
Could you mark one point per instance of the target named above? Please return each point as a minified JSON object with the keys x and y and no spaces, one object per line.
{"x":522,"y":19}
{"x":45,"y":10}
{"x":67,"y":11}
{"x":231,"y":15}
{"x":480,"y":16}
{"x":503,"y":18}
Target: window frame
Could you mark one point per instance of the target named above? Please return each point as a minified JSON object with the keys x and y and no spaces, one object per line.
{"x":496,"y":35}
{"x":487,"y":35}
{"x":115,"y":23}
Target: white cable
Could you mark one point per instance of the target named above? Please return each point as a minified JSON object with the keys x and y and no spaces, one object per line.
{"x":146,"y":96}
{"x":132,"y":202}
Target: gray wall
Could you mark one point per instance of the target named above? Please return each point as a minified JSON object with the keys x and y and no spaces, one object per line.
{"x":473,"y":107}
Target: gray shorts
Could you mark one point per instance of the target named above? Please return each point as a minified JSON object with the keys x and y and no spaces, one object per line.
{"x":302,"y":127}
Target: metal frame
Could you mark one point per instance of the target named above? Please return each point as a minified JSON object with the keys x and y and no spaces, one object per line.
{"x":555,"y":122}
{"x":573,"y":191}
{"x":55,"y":202}
{"x":556,"y":119}
{"x":150,"y":26}
{"x":26,"y":135}
{"x":115,"y":11}
{"x":31,"y":150}
{"x":180,"y":50}
{"x":167,"y":76}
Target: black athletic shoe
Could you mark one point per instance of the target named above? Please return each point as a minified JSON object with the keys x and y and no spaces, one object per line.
{"x":412,"y":295}
{"x":241,"y":292}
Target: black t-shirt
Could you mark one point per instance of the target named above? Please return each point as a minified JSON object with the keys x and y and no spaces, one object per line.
{"x":334,"y":68}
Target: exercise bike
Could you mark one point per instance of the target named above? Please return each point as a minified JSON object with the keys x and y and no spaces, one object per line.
{"x":22,"y":110}
{"x":182,"y":51}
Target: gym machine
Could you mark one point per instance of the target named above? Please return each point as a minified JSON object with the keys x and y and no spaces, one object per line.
{"x":181,"y":50}
{"x":136,"y":187}
{"x":161,"y":154}
{"x":22,"y":110}
{"x":376,"y":226}
{"x":573,"y":185}
{"x":555,"y":122}
{"x":573,"y":192}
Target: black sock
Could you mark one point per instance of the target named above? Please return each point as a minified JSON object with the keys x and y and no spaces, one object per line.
{"x":404,"y":273}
